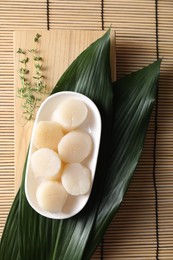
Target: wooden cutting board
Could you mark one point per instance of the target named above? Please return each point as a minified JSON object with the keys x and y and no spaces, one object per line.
{"x":58,"y":48}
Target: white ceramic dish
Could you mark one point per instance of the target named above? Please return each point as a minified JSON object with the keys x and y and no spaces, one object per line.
{"x":92,"y":125}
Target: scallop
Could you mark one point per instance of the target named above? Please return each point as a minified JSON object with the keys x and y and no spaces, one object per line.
{"x":51,"y":196}
{"x":46,"y":163}
{"x":75,"y":146}
{"x":76,"y":179}
{"x":47,"y":135}
{"x":70,"y":114}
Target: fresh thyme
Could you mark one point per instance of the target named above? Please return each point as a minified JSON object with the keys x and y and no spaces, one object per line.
{"x":37,"y":37}
{"x":31,"y":94}
{"x":20,"y":51}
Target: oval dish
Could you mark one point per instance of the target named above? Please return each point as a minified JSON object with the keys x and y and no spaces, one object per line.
{"x":92,"y":125}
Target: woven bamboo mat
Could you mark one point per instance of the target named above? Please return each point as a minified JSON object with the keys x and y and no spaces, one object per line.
{"x":143,"y":227}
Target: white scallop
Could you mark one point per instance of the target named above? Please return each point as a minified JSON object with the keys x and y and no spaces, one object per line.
{"x":75,"y":146}
{"x":51,"y":196}
{"x":47,"y":135}
{"x":76,"y":179}
{"x":70,"y":114}
{"x":45,"y":163}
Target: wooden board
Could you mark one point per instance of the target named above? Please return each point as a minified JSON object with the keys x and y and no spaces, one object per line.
{"x":58,"y":49}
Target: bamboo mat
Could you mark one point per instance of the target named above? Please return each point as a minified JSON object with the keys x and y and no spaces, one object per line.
{"x":140,"y":230}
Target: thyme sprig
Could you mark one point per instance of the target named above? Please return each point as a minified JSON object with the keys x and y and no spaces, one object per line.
{"x":20,"y":51}
{"x":31,"y":93}
{"x":37,"y":37}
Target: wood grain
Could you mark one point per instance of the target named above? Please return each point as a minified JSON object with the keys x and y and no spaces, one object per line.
{"x":58,"y":49}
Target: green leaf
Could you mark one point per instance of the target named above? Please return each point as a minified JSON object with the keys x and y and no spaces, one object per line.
{"x":9,"y":241}
{"x":28,"y":235}
{"x":134,"y":98}
{"x":38,"y":237}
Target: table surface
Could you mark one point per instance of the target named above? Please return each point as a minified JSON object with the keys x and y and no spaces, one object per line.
{"x":144,"y":32}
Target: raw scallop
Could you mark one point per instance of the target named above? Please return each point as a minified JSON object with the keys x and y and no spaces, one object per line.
{"x":76,"y":179}
{"x":70,"y":114}
{"x":46,"y":163}
{"x":51,"y":196}
{"x":75,"y":146}
{"x":47,"y":135}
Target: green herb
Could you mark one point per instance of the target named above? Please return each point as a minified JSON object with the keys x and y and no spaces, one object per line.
{"x":125,"y":108}
{"x":37,"y":37}
{"x":20,"y":51}
{"x":31,"y":96}
{"x":24,"y":61}
{"x":32,"y":50}
{"x":37,"y":58}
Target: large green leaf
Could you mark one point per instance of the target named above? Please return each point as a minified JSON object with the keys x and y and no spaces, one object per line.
{"x":134,"y":98}
{"x":27,"y":235}
{"x":38,"y":237}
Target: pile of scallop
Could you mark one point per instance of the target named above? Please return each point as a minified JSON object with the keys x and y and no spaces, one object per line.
{"x":59,"y":160}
